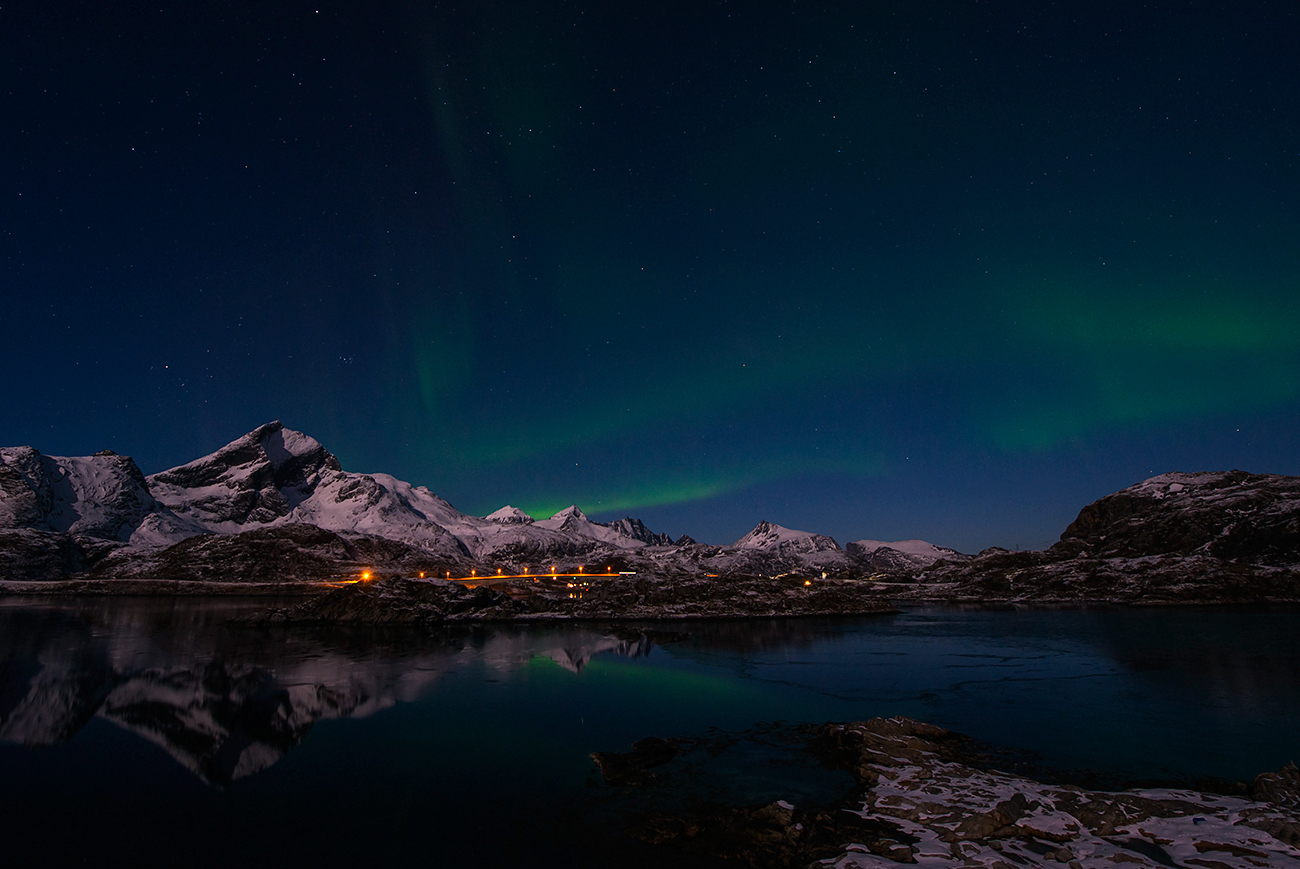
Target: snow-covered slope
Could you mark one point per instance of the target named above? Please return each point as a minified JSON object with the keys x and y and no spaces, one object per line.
{"x":508,"y":515}
{"x":775,"y":538}
{"x":572,"y":521}
{"x":901,"y":555}
{"x":771,"y":549}
{"x":271,"y":487}
{"x":104,"y":495}
{"x":255,"y":480}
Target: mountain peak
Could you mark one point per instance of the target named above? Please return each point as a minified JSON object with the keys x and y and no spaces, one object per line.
{"x":635,"y":529}
{"x":770,"y":536}
{"x":570,"y":511}
{"x":259,"y":477}
{"x":509,"y":515}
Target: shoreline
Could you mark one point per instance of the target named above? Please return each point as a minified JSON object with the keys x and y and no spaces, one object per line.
{"x":881,"y":603}
{"x":928,"y":795}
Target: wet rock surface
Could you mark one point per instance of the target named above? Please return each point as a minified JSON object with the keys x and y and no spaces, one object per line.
{"x":933,"y":797}
{"x":636,"y":766}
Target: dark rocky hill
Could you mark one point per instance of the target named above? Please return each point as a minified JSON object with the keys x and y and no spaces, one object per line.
{"x":1227,"y":537}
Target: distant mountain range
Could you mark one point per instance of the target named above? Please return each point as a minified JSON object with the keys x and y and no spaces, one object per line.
{"x":276,"y":505}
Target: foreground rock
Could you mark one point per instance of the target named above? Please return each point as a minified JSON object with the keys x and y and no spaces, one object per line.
{"x":930,"y":796}
{"x":396,"y":601}
{"x":1229,"y":537}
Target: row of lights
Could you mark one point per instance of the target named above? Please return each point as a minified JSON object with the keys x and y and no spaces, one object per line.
{"x":365,"y":576}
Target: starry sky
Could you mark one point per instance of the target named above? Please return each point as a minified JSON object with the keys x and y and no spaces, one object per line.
{"x":943,"y":269}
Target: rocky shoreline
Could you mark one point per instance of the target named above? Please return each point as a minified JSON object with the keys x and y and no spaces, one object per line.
{"x":934,"y":797}
{"x":396,"y":601}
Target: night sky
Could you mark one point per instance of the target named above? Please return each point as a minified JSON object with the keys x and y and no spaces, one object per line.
{"x":946,"y":270}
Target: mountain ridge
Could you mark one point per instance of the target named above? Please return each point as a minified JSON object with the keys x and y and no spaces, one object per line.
{"x":273,"y":483}
{"x":276,"y":505}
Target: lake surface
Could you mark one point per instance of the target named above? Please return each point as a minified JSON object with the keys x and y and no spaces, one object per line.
{"x":148,"y":731}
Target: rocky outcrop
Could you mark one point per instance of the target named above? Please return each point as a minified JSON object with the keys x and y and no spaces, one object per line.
{"x":257,"y":479}
{"x":902,"y":558}
{"x":26,"y":554}
{"x":635,"y":767}
{"x":636,"y":530}
{"x":1229,"y":537}
{"x":934,"y":797}
{"x":283,"y":553}
{"x":396,"y":600}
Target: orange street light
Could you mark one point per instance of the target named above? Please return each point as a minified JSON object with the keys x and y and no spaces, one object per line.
{"x":421,"y":574}
{"x":365,"y":574}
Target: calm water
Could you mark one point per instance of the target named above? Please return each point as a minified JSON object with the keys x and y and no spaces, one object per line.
{"x":148,"y":731}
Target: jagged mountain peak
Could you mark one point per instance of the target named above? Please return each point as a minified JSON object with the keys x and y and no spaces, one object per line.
{"x":103,"y":496}
{"x":285,"y":452}
{"x":509,"y":515}
{"x":570,"y":511}
{"x":636,"y":529}
{"x":257,"y":478}
{"x":770,"y":536}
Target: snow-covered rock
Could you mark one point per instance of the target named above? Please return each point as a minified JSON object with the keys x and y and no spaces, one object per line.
{"x":900,"y":556}
{"x":104,"y":495}
{"x":509,"y":515}
{"x":1225,"y":537}
{"x":776,"y":538}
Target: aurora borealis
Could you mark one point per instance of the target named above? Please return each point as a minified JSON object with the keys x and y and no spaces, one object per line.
{"x":945,"y":270}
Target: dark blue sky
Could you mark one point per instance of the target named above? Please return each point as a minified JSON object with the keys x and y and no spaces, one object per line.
{"x":947,"y":270}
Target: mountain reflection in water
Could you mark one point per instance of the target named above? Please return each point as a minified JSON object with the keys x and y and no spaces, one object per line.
{"x":229,"y":702}
{"x":344,"y":747}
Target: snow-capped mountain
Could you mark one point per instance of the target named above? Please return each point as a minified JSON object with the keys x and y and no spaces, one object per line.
{"x":775,"y":538}
{"x":508,"y":515}
{"x":901,"y":555}
{"x":275,"y":502}
{"x":774,"y":549}
{"x":104,"y":495}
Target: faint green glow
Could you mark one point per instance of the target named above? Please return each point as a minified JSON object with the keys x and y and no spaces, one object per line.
{"x":678,"y":684}
{"x":659,"y":487}
{"x":648,"y":678}
{"x":442,"y":357}
{"x":707,"y":372}
{"x":1127,"y":318}
{"x":1125,"y":353}
{"x":638,"y":494}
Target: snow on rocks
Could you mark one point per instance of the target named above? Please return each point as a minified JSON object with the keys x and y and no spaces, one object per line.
{"x":954,"y":814}
{"x":901,"y":555}
{"x":508,"y":515}
{"x":118,"y":523}
{"x":932,"y":797}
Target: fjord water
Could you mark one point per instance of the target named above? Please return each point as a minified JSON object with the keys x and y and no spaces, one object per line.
{"x":148,"y":731}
